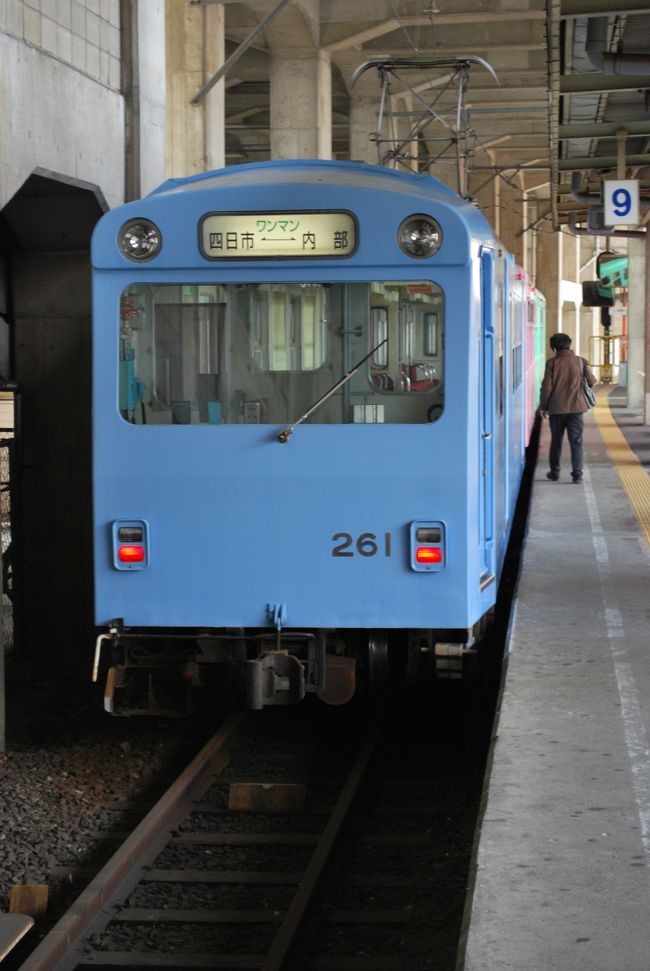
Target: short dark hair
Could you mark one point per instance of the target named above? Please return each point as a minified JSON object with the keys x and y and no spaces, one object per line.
{"x":560,"y":342}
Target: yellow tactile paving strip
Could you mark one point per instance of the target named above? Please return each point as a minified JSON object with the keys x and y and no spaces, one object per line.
{"x":633,"y":476}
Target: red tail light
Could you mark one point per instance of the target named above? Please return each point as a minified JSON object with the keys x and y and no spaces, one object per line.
{"x":130,"y":554}
{"x":428,"y":554}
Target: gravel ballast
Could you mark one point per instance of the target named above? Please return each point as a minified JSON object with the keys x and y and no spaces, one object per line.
{"x":65,"y":765}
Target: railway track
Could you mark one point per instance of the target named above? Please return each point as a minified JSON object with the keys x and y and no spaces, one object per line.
{"x":89,"y":934}
{"x":276,"y":851}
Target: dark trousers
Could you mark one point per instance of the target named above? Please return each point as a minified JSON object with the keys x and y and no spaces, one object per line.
{"x":574,"y":425}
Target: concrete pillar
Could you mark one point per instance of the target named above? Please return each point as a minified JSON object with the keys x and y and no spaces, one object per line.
{"x":184,"y":51}
{"x":143,"y":90}
{"x":549,"y":276}
{"x":151,"y":92}
{"x":636,"y":325}
{"x":301,"y":105}
{"x":572,"y":294}
{"x":590,"y":330}
{"x":194,"y":51}
{"x":363,"y":124}
{"x":570,"y":251}
{"x":214,"y":106}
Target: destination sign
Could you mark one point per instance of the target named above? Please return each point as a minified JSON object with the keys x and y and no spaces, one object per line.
{"x":277,"y":234}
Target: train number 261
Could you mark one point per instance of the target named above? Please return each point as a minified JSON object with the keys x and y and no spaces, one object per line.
{"x":366,"y":544}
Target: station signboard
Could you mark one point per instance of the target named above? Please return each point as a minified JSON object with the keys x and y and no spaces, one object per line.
{"x":621,"y":201}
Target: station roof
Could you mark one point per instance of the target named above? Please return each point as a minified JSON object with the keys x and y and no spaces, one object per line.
{"x":553,"y":87}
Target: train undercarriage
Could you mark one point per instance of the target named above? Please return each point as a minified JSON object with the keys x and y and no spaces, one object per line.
{"x":171,"y":673}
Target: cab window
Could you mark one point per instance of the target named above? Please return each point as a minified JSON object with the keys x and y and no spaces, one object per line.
{"x":264,"y":353}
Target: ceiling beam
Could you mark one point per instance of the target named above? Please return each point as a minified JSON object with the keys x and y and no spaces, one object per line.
{"x":605,"y":129}
{"x":600,"y":162}
{"x":476,"y":105}
{"x":506,"y":107}
{"x":537,"y":164}
{"x":517,"y":149}
{"x":602,"y":8}
{"x":434,"y":20}
{"x":241,"y":116}
{"x":481,"y":47}
{"x":523,"y":90}
{"x":597,"y":83}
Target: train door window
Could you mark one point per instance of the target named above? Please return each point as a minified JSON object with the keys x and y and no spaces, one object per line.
{"x":312,"y":338}
{"x":430,"y":334}
{"x":517,"y":366}
{"x":280,"y":347}
{"x":499,"y":328}
{"x":517,"y":323}
{"x":258,"y":325}
{"x":407,"y":333}
{"x":379,"y":337}
{"x":288,"y":324}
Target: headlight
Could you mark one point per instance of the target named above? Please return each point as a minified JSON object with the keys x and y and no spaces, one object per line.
{"x":419,"y":236}
{"x":140,"y":240}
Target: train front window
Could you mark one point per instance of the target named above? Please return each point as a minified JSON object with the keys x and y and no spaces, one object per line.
{"x":265,"y":353}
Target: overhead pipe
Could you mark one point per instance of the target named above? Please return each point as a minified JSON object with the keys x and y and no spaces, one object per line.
{"x":588,"y":198}
{"x":593,"y":198}
{"x":596,"y":50}
{"x":621,"y":233}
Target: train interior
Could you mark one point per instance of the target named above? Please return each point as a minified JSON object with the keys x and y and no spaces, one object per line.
{"x":266,"y":353}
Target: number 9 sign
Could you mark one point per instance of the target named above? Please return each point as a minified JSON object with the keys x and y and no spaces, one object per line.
{"x":621,"y":199}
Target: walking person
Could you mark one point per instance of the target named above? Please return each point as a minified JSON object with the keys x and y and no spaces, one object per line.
{"x":563,"y":403}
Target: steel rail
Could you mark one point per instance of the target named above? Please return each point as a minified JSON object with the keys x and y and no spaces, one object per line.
{"x":286,"y":936}
{"x":57,"y":950}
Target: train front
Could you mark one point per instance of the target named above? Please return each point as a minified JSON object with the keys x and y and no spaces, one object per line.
{"x":287,"y":426}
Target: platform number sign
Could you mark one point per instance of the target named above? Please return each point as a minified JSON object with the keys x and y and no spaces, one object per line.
{"x":621,"y":198}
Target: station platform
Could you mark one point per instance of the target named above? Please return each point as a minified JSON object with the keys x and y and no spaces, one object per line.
{"x":561,"y":876}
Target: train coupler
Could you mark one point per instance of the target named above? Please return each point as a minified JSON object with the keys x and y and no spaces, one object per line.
{"x":274,"y":678}
{"x":284,"y":675}
{"x":277,"y":678}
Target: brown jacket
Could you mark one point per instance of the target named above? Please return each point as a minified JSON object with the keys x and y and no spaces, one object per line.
{"x":561,"y":391}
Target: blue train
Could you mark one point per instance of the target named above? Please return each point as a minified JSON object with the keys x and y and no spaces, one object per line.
{"x":310,"y":415}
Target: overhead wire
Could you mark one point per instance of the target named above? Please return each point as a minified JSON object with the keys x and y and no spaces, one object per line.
{"x":393,"y":7}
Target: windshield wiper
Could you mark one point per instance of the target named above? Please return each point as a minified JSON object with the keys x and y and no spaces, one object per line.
{"x":287,"y":432}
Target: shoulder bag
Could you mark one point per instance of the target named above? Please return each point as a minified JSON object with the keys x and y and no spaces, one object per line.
{"x":590,"y":397}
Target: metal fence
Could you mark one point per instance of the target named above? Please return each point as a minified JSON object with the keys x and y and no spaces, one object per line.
{"x":7,"y":445}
